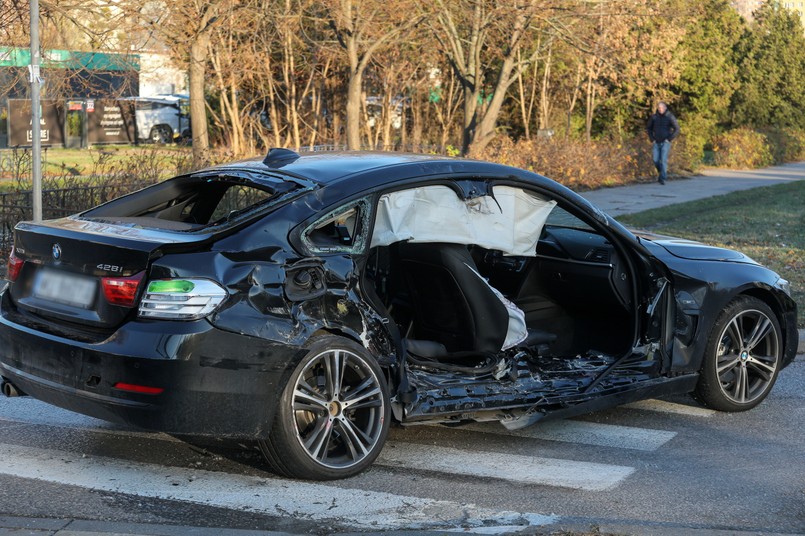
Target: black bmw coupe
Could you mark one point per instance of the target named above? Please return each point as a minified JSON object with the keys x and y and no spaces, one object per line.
{"x":306,"y":301}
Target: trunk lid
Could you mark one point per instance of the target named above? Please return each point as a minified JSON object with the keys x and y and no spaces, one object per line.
{"x":67,"y":261}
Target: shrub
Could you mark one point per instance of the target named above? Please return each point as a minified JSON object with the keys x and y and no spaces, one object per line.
{"x":688,"y":150}
{"x":687,"y":154}
{"x":787,"y":144}
{"x":742,"y":148}
{"x":574,"y":163}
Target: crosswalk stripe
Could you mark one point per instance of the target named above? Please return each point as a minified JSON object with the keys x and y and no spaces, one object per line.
{"x":525,"y":469}
{"x":586,"y":433}
{"x":516,"y":468}
{"x":662,"y":406}
{"x":271,"y":496}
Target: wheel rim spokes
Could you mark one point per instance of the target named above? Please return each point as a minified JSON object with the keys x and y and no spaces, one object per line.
{"x":747,"y":357}
{"x":727,"y":364}
{"x":354,"y":438}
{"x":319,"y":437}
{"x":364,"y":395}
{"x":306,"y":398}
{"x":334,"y":364}
{"x":338,"y":408}
{"x":763,"y":365}
{"x":759,"y":332}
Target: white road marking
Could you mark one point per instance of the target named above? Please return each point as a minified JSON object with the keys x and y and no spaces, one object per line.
{"x":662,"y":406}
{"x":586,"y":433}
{"x":532,"y":470}
{"x":271,"y":496}
{"x":515,"y":468}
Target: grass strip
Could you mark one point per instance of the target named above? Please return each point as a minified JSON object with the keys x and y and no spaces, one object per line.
{"x":767,"y":223}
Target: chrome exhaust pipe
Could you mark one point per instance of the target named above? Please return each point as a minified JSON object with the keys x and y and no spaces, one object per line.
{"x":10,"y":390}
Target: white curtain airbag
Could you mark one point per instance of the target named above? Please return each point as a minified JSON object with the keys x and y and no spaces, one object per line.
{"x":437,"y":214}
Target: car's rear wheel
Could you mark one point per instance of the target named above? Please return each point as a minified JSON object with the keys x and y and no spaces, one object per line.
{"x":333,"y":415}
{"x":742,"y":356}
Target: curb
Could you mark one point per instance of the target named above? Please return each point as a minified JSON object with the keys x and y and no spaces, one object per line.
{"x":78,"y":527}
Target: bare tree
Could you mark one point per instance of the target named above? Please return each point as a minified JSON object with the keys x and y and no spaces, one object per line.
{"x":185,"y":27}
{"x":481,"y":39}
{"x":362,"y":28}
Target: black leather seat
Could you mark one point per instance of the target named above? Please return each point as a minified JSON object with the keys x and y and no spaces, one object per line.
{"x":452,"y":305}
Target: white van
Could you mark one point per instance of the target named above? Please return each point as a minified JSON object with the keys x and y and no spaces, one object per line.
{"x":161,"y":118}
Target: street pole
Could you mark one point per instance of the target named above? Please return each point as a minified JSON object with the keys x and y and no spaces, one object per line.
{"x":36,"y":112}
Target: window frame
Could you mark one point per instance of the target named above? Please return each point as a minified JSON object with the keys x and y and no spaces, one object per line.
{"x":363,"y":225}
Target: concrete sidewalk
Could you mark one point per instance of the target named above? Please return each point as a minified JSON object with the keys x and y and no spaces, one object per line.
{"x":638,"y":197}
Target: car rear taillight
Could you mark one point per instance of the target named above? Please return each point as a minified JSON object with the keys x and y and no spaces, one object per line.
{"x":181,"y":299}
{"x":14,"y":266}
{"x":134,"y":388}
{"x":121,"y":290}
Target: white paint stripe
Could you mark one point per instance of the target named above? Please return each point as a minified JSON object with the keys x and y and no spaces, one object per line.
{"x":662,"y":406}
{"x":545,"y":471}
{"x":512,"y":467}
{"x":272,"y":496}
{"x":586,"y":433}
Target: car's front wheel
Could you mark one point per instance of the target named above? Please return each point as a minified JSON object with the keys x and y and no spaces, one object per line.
{"x":160,"y":135}
{"x":742,"y":357}
{"x":333,"y":415}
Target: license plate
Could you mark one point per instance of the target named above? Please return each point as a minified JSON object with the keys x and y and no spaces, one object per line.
{"x":62,"y":287}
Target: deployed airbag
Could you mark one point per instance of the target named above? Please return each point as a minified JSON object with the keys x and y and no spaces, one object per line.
{"x":510,"y":222}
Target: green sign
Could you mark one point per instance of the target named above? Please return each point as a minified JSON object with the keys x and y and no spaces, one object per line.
{"x":67,"y":59}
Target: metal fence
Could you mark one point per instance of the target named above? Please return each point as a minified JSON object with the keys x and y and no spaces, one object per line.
{"x":56,"y":203}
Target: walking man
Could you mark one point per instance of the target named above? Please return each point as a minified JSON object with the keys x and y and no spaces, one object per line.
{"x":662,"y":129}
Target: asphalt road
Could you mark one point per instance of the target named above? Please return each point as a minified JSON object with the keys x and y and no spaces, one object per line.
{"x":664,"y":467}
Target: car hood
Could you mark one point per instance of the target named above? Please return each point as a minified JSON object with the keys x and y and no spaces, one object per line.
{"x":692,"y":250}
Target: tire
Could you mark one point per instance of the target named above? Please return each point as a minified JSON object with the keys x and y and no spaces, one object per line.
{"x":159,"y":134}
{"x":742,"y":358}
{"x":327,"y":427}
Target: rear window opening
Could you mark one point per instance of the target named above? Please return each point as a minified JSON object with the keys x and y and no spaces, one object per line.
{"x":190,"y":203}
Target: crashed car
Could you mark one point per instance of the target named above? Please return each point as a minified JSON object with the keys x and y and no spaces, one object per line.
{"x":305,"y":302}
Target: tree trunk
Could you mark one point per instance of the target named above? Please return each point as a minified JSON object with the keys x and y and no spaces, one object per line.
{"x":589,"y":106}
{"x":238,"y":138}
{"x":198,"y":109}
{"x":572,"y":104}
{"x":524,"y":113}
{"x":544,"y":101}
{"x":273,"y":113}
{"x":485,"y":130}
{"x":416,"y":131}
{"x":471,"y":97}
{"x":354,"y":110}
{"x":387,"y":116}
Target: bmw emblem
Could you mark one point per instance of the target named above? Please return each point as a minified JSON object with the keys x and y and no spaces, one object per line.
{"x":56,"y":251}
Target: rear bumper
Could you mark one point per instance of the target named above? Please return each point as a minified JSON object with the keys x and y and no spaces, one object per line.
{"x":216,"y":383}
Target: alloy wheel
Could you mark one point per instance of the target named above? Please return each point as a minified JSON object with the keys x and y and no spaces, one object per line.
{"x":747,"y":356}
{"x":338,"y":408}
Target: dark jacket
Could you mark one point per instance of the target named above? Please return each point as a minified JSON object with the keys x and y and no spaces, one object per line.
{"x":662,"y":127}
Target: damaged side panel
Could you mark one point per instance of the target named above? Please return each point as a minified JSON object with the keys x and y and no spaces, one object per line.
{"x":523,"y":381}
{"x":276,"y":295}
